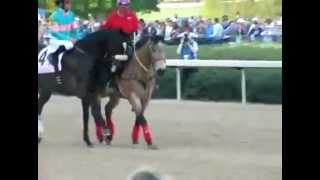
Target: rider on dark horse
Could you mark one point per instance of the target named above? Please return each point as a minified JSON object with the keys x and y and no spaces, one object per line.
{"x":126,"y":21}
{"x":63,"y":32}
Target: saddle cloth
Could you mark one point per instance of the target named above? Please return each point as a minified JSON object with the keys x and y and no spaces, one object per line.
{"x":44,"y":65}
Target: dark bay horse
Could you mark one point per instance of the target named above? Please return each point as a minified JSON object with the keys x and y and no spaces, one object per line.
{"x":78,"y":74}
{"x":136,"y":84}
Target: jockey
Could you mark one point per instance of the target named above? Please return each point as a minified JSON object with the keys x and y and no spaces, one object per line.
{"x":126,"y":21}
{"x":63,"y":32}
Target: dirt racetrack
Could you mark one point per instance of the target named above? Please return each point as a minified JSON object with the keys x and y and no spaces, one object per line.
{"x":197,"y":141}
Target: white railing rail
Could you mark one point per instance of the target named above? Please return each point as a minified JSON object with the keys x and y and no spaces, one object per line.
{"x":239,"y":64}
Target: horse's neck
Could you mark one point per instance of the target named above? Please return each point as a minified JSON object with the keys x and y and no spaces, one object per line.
{"x":134,"y":68}
{"x":143,"y":55}
{"x":92,"y":43}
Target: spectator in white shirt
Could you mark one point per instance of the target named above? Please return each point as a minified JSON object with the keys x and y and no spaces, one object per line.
{"x":254,"y":30}
{"x":217,"y":31}
{"x":268,"y":29}
{"x":168,"y":32}
{"x":187,"y":50}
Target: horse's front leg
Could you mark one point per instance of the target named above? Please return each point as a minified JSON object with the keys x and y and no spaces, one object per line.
{"x":42,"y":100}
{"x":96,"y":113}
{"x":85,"y":116}
{"x":113,"y":102}
{"x":140,"y":122}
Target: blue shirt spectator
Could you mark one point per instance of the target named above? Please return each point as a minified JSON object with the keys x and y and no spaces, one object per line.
{"x":208,"y":31}
{"x":41,"y":13}
{"x":187,"y":48}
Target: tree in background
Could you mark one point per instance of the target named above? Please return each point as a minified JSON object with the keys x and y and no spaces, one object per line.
{"x":48,"y":5}
{"x":144,"y":6}
{"x":213,"y":8}
{"x":100,"y":7}
{"x":261,"y":8}
{"x":247,"y":8}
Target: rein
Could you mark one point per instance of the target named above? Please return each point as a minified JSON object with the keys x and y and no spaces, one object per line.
{"x":80,"y":50}
{"x":140,"y":63}
{"x":148,"y":71}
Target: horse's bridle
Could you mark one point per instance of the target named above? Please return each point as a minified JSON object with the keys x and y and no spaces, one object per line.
{"x":141,"y":64}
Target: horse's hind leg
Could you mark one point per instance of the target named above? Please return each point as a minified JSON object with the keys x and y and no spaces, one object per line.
{"x":42,"y":100}
{"x":85,"y":117}
{"x":44,"y":97}
{"x":113,"y":102}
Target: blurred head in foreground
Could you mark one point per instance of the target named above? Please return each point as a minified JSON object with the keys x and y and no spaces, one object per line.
{"x":146,"y":174}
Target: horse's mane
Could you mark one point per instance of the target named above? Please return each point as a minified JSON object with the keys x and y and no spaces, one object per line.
{"x":144,"y":39}
{"x":95,"y":36}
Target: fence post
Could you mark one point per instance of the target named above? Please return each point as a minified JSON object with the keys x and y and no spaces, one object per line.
{"x":178,"y":86}
{"x":243,"y":86}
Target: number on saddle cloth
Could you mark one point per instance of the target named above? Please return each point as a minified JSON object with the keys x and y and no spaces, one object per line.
{"x":44,"y":64}
{"x":43,"y":57}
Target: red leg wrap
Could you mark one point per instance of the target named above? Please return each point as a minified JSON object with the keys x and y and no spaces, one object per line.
{"x":110,"y":125}
{"x":147,"y":133}
{"x":135,"y":132}
{"x":99,"y":133}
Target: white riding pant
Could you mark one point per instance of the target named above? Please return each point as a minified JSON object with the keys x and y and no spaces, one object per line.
{"x":55,"y":43}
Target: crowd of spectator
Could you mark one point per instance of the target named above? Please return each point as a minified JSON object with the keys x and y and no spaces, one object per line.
{"x":188,"y":32}
{"x":219,"y":30}
{"x":203,"y":31}
{"x":84,"y":27}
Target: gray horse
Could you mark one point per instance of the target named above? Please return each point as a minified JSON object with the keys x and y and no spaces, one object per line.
{"x":136,"y":84}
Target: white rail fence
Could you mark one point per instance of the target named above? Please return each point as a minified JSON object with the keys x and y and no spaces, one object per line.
{"x":238,"y":64}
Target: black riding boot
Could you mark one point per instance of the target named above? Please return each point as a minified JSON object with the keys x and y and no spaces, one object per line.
{"x":118,"y":66}
{"x":130,"y":49}
{"x":55,"y":62}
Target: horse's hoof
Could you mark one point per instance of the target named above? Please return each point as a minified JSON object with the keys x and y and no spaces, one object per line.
{"x":153,"y":147}
{"x":39,"y":140}
{"x":90,"y":145}
{"x":135,"y":142}
{"x":108,"y":139}
{"x":108,"y":142}
{"x":100,"y":141}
